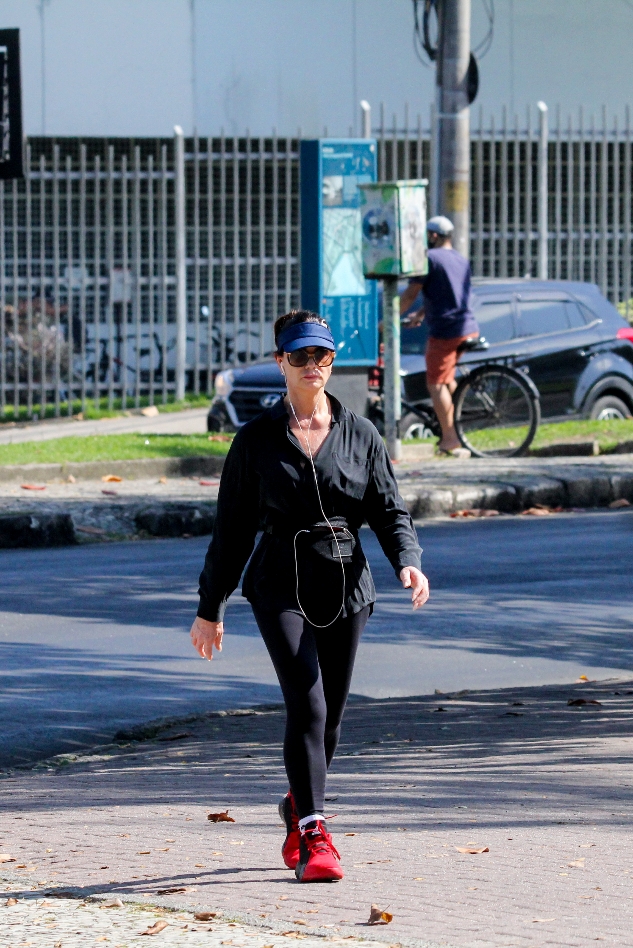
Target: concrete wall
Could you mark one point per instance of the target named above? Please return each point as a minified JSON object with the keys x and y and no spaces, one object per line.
{"x":125,"y":67}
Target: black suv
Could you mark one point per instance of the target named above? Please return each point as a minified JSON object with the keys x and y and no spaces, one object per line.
{"x":575,"y":346}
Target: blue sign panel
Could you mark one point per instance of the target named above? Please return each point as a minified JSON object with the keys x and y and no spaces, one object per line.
{"x":332,"y":281}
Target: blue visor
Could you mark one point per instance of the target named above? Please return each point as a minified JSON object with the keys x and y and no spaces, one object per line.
{"x":302,"y":335}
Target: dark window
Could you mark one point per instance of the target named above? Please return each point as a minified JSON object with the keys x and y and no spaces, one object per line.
{"x":537,"y":317}
{"x":495,"y":320}
{"x":576,"y":315}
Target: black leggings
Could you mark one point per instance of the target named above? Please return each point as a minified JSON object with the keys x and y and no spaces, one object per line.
{"x":314,"y":668}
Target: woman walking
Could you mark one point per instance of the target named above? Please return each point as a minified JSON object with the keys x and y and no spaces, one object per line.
{"x":308,"y":472}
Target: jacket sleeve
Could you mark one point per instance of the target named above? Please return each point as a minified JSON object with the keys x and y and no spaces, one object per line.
{"x":234,"y":531}
{"x":386,"y":513}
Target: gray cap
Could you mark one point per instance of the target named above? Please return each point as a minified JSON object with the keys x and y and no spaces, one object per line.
{"x":440,"y":225}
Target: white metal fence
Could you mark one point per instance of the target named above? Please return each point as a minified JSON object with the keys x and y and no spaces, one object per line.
{"x":91,"y":263}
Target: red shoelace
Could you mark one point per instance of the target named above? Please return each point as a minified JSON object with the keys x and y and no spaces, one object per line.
{"x":318,"y":840}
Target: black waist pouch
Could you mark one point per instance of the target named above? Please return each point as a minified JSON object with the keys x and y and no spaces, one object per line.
{"x":324,"y":544}
{"x":318,"y":539}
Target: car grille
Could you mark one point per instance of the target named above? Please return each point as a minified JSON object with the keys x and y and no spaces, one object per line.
{"x":247,"y":402}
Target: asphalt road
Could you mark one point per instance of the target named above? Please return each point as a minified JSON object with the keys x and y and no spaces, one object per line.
{"x":94,"y":638}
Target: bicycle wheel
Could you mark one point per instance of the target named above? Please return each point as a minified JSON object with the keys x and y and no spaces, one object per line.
{"x":497,"y":412}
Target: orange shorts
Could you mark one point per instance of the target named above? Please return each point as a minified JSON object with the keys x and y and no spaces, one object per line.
{"x":441,"y":359}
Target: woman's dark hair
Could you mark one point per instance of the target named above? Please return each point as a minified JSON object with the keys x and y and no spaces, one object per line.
{"x":291,"y":319}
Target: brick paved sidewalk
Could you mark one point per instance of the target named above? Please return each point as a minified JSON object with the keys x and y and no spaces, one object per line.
{"x":545,"y":786}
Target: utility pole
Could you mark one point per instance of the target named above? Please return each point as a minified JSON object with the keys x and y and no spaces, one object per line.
{"x":453,"y":118}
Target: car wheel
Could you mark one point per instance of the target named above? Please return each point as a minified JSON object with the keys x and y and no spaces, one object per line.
{"x":609,"y":407}
{"x":216,"y":421}
{"x":411,"y":426}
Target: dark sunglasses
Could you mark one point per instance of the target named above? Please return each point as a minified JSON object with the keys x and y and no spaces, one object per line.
{"x":321,"y":357}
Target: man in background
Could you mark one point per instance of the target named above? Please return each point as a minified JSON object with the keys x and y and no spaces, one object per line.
{"x":450,"y":321}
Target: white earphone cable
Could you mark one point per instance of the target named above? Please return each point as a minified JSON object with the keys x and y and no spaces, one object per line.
{"x":340,"y":555}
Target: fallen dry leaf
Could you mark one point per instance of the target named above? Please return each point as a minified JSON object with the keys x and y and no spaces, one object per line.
{"x":475,"y":512}
{"x":111,"y":479}
{"x":577,"y":864}
{"x":538,"y":510}
{"x":114,"y":903}
{"x":5,"y":857}
{"x":204,"y":916}
{"x":221,"y":817}
{"x":582,"y":678}
{"x":155,"y":928}
{"x":473,"y":850}
{"x":31,"y":487}
{"x":151,"y":411}
{"x":207,"y":483}
{"x":71,"y":479}
{"x":543,"y":919}
{"x":350,"y":834}
{"x":172,"y":891}
{"x":378,"y":917}
{"x":11,"y":902}
{"x":144,"y":852}
{"x":622,"y":502}
{"x":110,"y":493}
{"x":299,"y":921}
{"x":162,"y":480}
{"x":579,"y":701}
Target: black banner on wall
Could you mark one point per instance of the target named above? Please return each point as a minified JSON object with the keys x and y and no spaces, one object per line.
{"x":11,"y":143}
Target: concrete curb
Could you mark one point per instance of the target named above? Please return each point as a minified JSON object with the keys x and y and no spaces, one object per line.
{"x":427,"y":494}
{"x":516,"y":493}
{"x":61,"y":523}
{"x":92,"y":470}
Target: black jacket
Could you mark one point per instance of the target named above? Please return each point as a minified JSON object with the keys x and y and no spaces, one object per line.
{"x":267,"y":482}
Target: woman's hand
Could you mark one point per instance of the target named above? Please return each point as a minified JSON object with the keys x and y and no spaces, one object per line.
{"x":419,"y":584}
{"x":205,"y":635}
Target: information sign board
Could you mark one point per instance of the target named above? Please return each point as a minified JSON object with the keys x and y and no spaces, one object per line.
{"x":332,"y":280}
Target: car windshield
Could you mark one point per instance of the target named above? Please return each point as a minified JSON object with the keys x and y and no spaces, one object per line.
{"x":413,"y":340}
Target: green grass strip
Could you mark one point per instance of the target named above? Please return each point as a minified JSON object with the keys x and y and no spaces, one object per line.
{"x":94,"y":411}
{"x":608,"y":434}
{"x":115,"y":447}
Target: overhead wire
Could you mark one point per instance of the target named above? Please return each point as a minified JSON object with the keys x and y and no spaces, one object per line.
{"x":423,"y":44}
{"x":482,"y":48}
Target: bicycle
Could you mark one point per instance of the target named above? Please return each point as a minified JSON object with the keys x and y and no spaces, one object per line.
{"x":497,"y":408}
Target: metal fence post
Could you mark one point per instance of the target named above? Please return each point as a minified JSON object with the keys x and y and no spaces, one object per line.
{"x":365,"y":118}
{"x":542,"y":192}
{"x":181,"y":265}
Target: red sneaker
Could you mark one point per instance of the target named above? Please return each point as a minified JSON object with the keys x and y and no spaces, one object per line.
{"x":318,"y":858}
{"x":289,"y":815}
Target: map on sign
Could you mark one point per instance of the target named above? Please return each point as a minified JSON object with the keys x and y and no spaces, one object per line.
{"x":342,"y":257}
{"x":342,"y":260}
